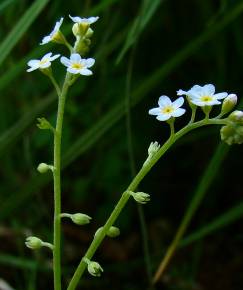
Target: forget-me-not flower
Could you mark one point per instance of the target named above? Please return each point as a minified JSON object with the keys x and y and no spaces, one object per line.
{"x":54,"y":35}
{"x":78,"y":65}
{"x":203,"y":95}
{"x":43,"y":63}
{"x":80,"y":20}
{"x":168,"y":109}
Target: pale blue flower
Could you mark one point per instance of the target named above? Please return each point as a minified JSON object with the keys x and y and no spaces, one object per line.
{"x":78,"y":65}
{"x":54,"y":33}
{"x":203,"y":95}
{"x":43,"y":63}
{"x":168,"y":109}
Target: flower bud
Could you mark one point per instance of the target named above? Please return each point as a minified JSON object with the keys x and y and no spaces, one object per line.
{"x":153,"y":148}
{"x":43,"y":167}
{"x":95,"y":269}
{"x":140,"y":197}
{"x":44,"y":124}
{"x":80,"y":29}
{"x":113,"y":232}
{"x":232,"y":134}
{"x":80,"y":219}
{"x":236,"y":117}
{"x":33,"y":243}
{"x":89,"y":33}
{"x":229,"y":104}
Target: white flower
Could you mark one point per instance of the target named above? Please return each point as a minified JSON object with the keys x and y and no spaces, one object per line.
{"x":45,"y":62}
{"x":78,"y":65}
{"x":53,"y":34}
{"x":203,"y":95}
{"x":168,"y":109}
{"x":80,"y":20}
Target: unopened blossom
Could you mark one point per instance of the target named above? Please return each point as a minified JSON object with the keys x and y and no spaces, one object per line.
{"x":43,"y":63}
{"x":168,"y":109}
{"x":203,"y":95}
{"x":80,"y":20}
{"x":78,"y":65}
{"x":54,"y":35}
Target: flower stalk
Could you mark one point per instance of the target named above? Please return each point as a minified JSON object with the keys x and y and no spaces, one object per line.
{"x":132,"y":187}
{"x":57,"y":184}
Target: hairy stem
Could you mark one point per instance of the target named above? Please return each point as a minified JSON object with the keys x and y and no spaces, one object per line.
{"x":133,"y":185}
{"x":57,"y":185}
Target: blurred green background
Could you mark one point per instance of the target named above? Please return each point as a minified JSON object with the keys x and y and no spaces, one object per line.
{"x":143,"y":49}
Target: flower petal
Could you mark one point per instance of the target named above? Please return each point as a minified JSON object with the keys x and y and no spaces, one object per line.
{"x":154,"y":111}
{"x":164,"y":101}
{"x":181,"y":92}
{"x":45,"y":40}
{"x":178,"y":112}
{"x":209,"y":89}
{"x":89,"y":62}
{"x":73,"y":70}
{"x":220,"y":96}
{"x":85,"y":72}
{"x":163,"y":117}
{"x":33,"y":62}
{"x":65,"y":61}
{"x":76,"y":19}
{"x":54,"y":57}
{"x":178,"y":103}
{"x":75,"y":57}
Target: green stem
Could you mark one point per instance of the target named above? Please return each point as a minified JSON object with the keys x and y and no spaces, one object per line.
{"x":133,"y":185}
{"x":57,"y":185}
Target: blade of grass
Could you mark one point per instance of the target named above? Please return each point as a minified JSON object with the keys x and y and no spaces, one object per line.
{"x":106,"y":122}
{"x":147,"y":10}
{"x":206,"y":180}
{"x":20,"y":28}
{"x":232,"y":215}
{"x":4,"y":4}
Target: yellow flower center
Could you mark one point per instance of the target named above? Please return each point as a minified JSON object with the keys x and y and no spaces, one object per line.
{"x":43,"y":61}
{"x":77,"y":65}
{"x":167,"y":110}
{"x":206,"y":98}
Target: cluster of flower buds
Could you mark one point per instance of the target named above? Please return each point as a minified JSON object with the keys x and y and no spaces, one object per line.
{"x":205,"y":98}
{"x":232,"y":133}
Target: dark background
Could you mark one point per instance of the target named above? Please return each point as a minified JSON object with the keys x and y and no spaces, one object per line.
{"x":175,"y":44}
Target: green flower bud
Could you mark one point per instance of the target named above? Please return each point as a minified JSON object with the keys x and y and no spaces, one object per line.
{"x":140,"y":197}
{"x":89,"y":33}
{"x":80,"y":218}
{"x":95,"y":269}
{"x":44,"y":124}
{"x":80,"y":29}
{"x":228,"y":104}
{"x":43,"y":167}
{"x":236,"y":117}
{"x":33,"y":243}
{"x":232,"y":134}
{"x":113,"y":232}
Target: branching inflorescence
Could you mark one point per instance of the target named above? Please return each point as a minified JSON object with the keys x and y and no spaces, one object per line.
{"x":76,"y":65}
